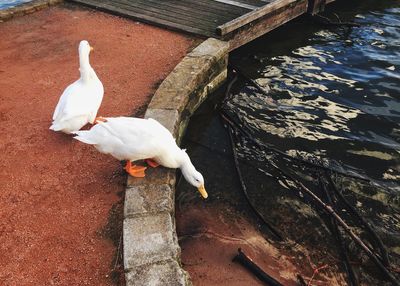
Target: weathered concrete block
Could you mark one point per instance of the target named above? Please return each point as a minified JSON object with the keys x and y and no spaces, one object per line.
{"x":54,"y":2}
{"x":169,"y":118}
{"x":149,"y":239}
{"x":154,"y":176}
{"x":191,"y":75}
{"x":41,"y":4}
{"x":202,"y":94}
{"x":194,"y":104}
{"x":148,"y":199}
{"x":211,"y":48}
{"x":26,"y":8}
{"x":158,"y":274}
{"x":5,"y":15}
{"x":174,"y":91}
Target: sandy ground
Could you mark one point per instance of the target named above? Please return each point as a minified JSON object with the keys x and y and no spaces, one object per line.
{"x":210,"y":236}
{"x":60,"y":199}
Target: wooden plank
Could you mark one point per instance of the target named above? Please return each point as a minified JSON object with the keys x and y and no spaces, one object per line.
{"x":252,"y":16}
{"x":198,"y":12}
{"x":162,"y":14}
{"x":257,"y":3}
{"x":100,"y":5}
{"x":277,"y":18}
{"x":236,"y":23}
{"x":168,"y":13}
{"x":237,"y":4}
{"x":217,"y":6}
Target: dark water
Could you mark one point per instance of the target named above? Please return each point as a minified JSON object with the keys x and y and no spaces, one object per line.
{"x":325,"y":95}
{"x":334,"y":94}
{"x":5,"y":4}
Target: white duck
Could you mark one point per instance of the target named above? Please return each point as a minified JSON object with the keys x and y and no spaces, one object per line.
{"x":81,"y":100}
{"x":131,"y":139}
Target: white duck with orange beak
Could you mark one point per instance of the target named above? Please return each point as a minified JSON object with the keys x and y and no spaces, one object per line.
{"x":132,"y":139}
{"x":80,"y":101}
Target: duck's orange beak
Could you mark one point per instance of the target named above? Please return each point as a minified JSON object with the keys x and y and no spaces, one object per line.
{"x":91,"y":49}
{"x":203,"y":192}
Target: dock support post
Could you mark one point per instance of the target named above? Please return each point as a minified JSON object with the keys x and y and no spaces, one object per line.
{"x":316,"y":6}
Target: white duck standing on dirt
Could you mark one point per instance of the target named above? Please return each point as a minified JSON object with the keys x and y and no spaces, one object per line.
{"x":132,"y":139}
{"x":80,"y":101}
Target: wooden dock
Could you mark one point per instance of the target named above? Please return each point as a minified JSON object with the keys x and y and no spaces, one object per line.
{"x":236,"y":21}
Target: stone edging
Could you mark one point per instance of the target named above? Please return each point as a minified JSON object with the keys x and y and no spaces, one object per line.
{"x":26,"y":8}
{"x":151,"y":250}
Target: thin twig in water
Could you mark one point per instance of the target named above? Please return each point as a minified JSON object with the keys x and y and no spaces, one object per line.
{"x":367,"y":226}
{"x":229,"y":87}
{"x":339,"y":239}
{"x":316,"y":270}
{"x":235,"y":157}
{"x":261,"y":89}
{"x":326,"y":21}
{"x":300,"y":280}
{"x":343,"y":224}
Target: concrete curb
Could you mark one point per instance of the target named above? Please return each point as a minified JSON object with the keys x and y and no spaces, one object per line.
{"x":151,"y":250}
{"x":26,"y":8}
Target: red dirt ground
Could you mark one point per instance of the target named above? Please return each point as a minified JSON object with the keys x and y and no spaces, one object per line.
{"x":59,"y":198}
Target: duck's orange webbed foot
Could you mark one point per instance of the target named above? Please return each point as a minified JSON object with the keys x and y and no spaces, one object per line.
{"x":99,"y":119}
{"x":152,"y":163}
{"x":135,"y":171}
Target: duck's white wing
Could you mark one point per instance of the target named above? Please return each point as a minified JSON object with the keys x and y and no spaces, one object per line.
{"x":100,"y":136}
{"x":98,"y":92}
{"x":79,"y":99}
{"x":145,"y":138}
{"x":128,"y":138}
{"x":63,"y":100}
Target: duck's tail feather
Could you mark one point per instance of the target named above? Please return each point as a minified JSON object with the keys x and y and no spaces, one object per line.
{"x":55,"y":127}
{"x":84,"y":137}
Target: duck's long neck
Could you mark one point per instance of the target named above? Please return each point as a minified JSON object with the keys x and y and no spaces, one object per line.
{"x":186,"y":165}
{"x":85,"y":68}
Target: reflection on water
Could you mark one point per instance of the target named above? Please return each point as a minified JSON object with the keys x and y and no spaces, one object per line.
{"x":4,"y":4}
{"x":331,"y":97}
{"x":336,"y":95}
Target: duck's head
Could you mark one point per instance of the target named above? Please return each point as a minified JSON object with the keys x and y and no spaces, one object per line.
{"x":84,"y":48}
{"x":192,"y":176}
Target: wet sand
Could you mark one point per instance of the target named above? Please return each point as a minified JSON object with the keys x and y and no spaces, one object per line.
{"x":210,"y":236}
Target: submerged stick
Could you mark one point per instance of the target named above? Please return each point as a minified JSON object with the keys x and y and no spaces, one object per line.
{"x":339,"y":239}
{"x":346,"y":227}
{"x":326,"y":21}
{"x":255,"y":269}
{"x":252,"y":81}
{"x":229,"y":87}
{"x":235,"y":158}
{"x":367,"y":226}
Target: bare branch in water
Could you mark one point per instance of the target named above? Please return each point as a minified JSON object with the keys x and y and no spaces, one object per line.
{"x":247,"y":262}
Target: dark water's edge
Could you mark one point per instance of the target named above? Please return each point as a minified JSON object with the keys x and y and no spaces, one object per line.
{"x":331,"y":96}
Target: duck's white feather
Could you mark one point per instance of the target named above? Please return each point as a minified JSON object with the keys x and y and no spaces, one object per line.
{"x":127,"y":138}
{"x":133,"y":139}
{"x":80,"y":101}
